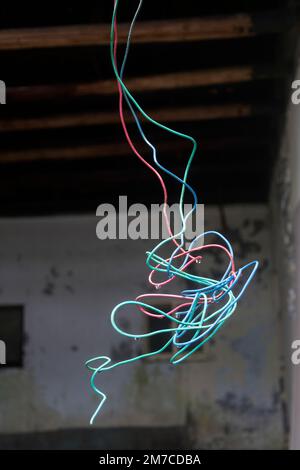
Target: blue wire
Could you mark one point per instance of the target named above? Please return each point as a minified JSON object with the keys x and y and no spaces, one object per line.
{"x":197,"y":320}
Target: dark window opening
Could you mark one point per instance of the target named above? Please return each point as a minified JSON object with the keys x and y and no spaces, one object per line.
{"x":12,"y":334}
{"x":154,"y":324}
{"x":156,"y":342}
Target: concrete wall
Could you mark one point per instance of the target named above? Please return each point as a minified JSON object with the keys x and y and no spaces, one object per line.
{"x":286,"y":222}
{"x":229,"y":396}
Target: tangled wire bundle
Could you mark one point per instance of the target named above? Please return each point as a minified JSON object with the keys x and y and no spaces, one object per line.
{"x":201,"y":311}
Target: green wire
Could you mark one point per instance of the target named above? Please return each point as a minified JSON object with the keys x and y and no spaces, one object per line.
{"x":162,"y":126}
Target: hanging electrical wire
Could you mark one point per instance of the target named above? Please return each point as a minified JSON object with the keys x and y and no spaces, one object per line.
{"x":199,"y":312}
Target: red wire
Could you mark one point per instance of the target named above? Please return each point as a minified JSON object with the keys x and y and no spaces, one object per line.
{"x":165,"y":193}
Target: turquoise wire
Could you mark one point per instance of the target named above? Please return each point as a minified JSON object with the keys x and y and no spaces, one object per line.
{"x":162,"y":126}
{"x":190,"y":322}
{"x":140,"y":128}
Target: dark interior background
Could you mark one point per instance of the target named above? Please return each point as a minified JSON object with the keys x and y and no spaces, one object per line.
{"x":234,"y":150}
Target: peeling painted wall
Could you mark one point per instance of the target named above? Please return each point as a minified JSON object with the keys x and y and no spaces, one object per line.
{"x":228,"y":396}
{"x":286,"y":222}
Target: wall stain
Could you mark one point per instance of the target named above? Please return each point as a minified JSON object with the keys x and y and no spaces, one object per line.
{"x":244,"y":405}
{"x":245,"y":247}
{"x":123,"y":350}
{"x":49,"y":288}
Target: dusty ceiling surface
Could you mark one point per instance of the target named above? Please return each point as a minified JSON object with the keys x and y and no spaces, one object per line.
{"x":217,"y":70}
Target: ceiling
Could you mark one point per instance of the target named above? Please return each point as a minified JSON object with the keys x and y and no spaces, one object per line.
{"x":218,"y":71}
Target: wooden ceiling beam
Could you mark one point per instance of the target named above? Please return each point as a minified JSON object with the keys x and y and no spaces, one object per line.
{"x":96,"y":151}
{"x":169,"y":81}
{"x":183,"y":30}
{"x":84,"y":119}
{"x":64,"y":153}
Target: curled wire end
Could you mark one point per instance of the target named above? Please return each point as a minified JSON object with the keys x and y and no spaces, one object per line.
{"x":197,"y":315}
